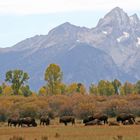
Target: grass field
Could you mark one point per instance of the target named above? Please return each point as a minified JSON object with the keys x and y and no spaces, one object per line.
{"x":77,"y":132}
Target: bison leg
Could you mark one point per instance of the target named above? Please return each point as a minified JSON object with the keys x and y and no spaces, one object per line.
{"x":65,"y":123}
{"x":18,"y":124}
{"x":106,"y":122}
{"x":8,"y":123}
{"x":73,"y":122}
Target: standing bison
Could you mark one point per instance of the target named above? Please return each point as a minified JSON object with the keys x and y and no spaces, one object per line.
{"x":28,"y":121}
{"x":13,"y":121}
{"x":123,"y":117}
{"x":67,"y":119}
{"x":44,"y":120}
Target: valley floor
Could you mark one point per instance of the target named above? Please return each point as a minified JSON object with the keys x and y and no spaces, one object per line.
{"x":77,"y":132}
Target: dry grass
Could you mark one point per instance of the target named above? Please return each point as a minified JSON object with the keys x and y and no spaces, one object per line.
{"x":77,"y":132}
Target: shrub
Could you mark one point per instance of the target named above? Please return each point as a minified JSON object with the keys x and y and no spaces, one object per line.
{"x":29,"y":110}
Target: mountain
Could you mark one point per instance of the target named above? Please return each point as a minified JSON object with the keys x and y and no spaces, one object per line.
{"x":108,"y":51}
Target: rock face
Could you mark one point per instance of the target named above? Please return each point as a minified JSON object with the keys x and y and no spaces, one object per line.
{"x":108,"y":51}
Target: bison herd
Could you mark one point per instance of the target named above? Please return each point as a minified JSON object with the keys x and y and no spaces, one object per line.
{"x":96,"y":119}
{"x":28,"y":121}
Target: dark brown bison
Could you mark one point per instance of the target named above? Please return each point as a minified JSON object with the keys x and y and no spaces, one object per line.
{"x":128,"y":122}
{"x":125,"y":117}
{"x":13,"y":121}
{"x":44,"y":120}
{"x":67,"y":119}
{"x":28,"y":121}
{"x":101,"y":117}
{"x":94,"y":122}
{"x":88,"y":119}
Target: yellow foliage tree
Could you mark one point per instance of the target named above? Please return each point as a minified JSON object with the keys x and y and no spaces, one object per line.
{"x":7,"y":91}
{"x":53,"y":76}
{"x":76,"y":88}
{"x":42,"y":91}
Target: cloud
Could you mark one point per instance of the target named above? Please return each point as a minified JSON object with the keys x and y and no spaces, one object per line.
{"x":54,"y":6}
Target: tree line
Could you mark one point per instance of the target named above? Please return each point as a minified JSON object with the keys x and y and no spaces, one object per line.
{"x":16,"y":83}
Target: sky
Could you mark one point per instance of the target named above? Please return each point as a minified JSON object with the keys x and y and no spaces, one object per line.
{"x":21,"y":19}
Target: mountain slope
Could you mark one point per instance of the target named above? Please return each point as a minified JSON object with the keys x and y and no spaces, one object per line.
{"x":108,"y":51}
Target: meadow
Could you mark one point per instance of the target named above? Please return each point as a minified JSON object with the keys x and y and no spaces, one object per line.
{"x":58,"y":131}
{"x":78,"y":105}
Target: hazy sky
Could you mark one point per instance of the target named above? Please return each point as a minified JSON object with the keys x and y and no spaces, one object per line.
{"x":20,"y":19}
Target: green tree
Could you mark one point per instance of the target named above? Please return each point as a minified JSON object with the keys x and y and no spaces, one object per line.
{"x":0,"y":89}
{"x":81,"y":88}
{"x":53,"y":76}
{"x":127,"y":88}
{"x":137,"y":87}
{"x":63,"y":88}
{"x":17,"y":78}
{"x":25,"y":91}
{"x":117,"y":84}
{"x":93,"y":89}
{"x":105,"y":88}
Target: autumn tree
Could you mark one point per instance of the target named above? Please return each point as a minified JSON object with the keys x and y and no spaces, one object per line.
{"x":76,"y":88}
{"x":17,"y":78}
{"x":7,"y":90}
{"x":93,"y":89}
{"x":127,"y":88}
{"x":81,"y":88}
{"x":72,"y":88}
{"x":53,"y":76}
{"x":105,"y":88}
{"x":42,"y":91}
{"x":63,"y":88}
{"x":117,"y":84}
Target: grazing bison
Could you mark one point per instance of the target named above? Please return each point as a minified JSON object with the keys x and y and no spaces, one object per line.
{"x":27,"y":121}
{"x":128,"y":122}
{"x":67,"y":119}
{"x":94,"y":122}
{"x":13,"y":121}
{"x":44,"y":120}
{"x":88,"y":119}
{"x":101,"y":117}
{"x":113,"y":123}
{"x":125,"y":117}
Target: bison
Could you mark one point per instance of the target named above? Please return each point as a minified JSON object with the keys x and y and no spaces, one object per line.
{"x":67,"y":119}
{"x":128,"y":122}
{"x":94,"y":122}
{"x":125,"y":117}
{"x":27,"y":121}
{"x":13,"y":121}
{"x":113,"y":123}
{"x":101,"y":117}
{"x":88,"y":119}
{"x":44,"y":120}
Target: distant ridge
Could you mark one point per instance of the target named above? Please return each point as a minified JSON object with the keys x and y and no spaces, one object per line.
{"x":108,"y":51}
